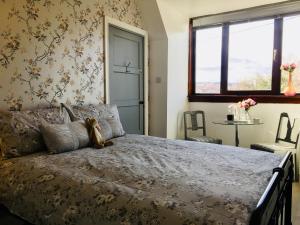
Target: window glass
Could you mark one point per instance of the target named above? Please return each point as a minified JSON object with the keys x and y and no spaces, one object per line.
{"x":208,"y":60}
{"x":291,"y":49}
{"x":250,"y":56}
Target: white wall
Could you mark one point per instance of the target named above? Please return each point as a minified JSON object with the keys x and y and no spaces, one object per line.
{"x":158,"y":87}
{"x":168,"y":43}
{"x":177,"y":84}
{"x":167,"y":24}
{"x":158,"y":67}
{"x":175,"y":16}
{"x":268,"y":113}
{"x":176,"y":25}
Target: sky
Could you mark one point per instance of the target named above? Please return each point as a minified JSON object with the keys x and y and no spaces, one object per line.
{"x":250,"y":49}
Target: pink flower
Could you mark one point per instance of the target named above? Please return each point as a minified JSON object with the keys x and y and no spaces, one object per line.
{"x":285,"y":67}
{"x":288,"y":67}
{"x":247,"y":104}
{"x":251,"y":102}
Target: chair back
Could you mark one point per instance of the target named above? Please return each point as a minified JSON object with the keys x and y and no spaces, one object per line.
{"x":194,"y":120}
{"x":296,"y":131}
{"x":286,"y":131}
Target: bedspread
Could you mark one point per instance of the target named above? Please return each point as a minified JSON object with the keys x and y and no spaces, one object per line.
{"x":139,"y":180}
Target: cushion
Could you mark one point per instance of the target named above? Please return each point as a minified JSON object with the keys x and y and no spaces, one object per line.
{"x":19,"y":130}
{"x":282,"y":149}
{"x":205,"y":139}
{"x":65,"y":137}
{"x":273,"y":147}
{"x":99,"y":112}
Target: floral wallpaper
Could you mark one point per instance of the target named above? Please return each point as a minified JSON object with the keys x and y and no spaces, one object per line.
{"x":51,"y":51}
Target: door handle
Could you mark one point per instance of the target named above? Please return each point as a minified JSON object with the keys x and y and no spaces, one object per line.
{"x":141,"y":102}
{"x":126,"y":67}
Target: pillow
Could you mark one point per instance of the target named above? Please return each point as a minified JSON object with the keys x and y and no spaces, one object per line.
{"x":65,"y":137}
{"x":99,"y":112}
{"x":19,"y":130}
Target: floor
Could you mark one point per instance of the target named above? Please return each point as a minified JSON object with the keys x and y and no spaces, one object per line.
{"x":296,"y":204}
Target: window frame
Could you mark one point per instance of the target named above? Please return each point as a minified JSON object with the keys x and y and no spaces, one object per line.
{"x":267,"y":96}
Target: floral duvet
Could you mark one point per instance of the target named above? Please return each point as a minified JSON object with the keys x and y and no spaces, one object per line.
{"x":139,"y":180}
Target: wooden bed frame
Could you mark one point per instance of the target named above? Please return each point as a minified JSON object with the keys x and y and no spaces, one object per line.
{"x":274,"y":206}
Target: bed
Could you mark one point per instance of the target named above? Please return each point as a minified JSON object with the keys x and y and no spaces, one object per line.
{"x":143,"y":180}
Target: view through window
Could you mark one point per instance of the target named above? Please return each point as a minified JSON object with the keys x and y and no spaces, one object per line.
{"x":208,"y":60}
{"x":249,"y":56}
{"x":291,"y":49}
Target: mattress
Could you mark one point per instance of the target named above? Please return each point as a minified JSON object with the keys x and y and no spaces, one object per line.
{"x":139,"y":180}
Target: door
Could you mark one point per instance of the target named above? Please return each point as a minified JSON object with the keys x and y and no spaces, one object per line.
{"x":126,"y":78}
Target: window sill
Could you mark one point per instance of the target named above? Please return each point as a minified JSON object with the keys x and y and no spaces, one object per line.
{"x":236,"y":98}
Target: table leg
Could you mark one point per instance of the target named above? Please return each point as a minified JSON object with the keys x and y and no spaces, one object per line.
{"x":237,"y":142}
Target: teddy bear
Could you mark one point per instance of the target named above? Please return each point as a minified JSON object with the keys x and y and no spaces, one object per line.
{"x":95,"y":135}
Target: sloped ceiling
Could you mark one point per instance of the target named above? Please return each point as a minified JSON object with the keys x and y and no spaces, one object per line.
{"x":151,"y":18}
{"x":176,"y":13}
{"x":193,"y":8}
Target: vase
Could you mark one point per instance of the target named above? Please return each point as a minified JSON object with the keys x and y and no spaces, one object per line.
{"x":290,"y":89}
{"x":247,"y":116}
{"x":244,"y":115}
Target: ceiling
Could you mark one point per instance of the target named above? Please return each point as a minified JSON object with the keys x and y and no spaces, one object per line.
{"x":193,"y":8}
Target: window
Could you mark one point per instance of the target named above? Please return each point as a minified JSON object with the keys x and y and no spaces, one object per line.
{"x":208,"y":61}
{"x":238,"y":59}
{"x":250,"y":52}
{"x":291,"y":49}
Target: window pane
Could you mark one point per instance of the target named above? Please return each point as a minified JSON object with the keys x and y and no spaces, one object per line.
{"x":208,"y":60}
{"x":291,"y":49}
{"x":250,"y":56}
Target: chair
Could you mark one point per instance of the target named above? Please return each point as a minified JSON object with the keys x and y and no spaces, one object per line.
{"x":287,"y":137}
{"x":191,"y":123}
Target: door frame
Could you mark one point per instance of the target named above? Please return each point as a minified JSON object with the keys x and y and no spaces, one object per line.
{"x":108,"y":21}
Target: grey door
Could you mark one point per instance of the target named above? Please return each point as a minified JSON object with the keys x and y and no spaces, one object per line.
{"x":126,"y":78}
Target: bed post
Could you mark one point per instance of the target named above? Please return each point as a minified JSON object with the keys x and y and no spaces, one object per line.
{"x":288,"y":202}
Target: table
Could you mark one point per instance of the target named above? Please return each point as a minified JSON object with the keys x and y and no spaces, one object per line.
{"x":236,"y":124}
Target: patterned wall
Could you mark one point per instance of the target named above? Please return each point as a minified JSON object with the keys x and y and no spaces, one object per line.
{"x":51,"y":51}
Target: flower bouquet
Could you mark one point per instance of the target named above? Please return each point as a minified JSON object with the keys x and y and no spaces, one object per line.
{"x":245,"y":106}
{"x":241,"y":109}
{"x":288,"y":67}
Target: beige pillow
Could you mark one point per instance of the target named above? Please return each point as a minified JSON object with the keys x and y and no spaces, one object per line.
{"x":65,"y":137}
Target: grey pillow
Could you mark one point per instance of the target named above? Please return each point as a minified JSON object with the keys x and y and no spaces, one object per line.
{"x":19,"y":130}
{"x":99,"y":112}
{"x":65,"y":137}
{"x":106,"y":130}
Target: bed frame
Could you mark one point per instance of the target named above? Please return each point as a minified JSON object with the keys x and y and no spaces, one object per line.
{"x":275,"y":205}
